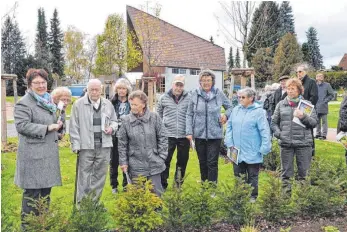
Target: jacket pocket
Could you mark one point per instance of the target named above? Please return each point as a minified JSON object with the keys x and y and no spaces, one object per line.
{"x":33,"y":140}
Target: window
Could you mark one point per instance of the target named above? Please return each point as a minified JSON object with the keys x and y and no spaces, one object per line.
{"x":179,"y":71}
{"x":194,"y":72}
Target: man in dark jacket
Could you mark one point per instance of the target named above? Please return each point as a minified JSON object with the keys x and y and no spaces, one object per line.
{"x":310,"y":90}
{"x":325,"y":94}
{"x":172,"y":108}
{"x":342,"y":124}
{"x":280,"y":93}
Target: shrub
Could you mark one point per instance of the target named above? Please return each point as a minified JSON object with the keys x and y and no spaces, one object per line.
{"x":249,"y":229}
{"x":199,"y":206}
{"x":272,"y":161}
{"x":136,"y":208}
{"x":45,"y":220}
{"x":90,"y":215}
{"x":330,"y":229}
{"x":275,"y":203}
{"x":234,"y":202}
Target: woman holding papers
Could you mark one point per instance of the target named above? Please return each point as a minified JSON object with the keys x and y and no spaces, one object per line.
{"x":62,"y":98}
{"x":142,"y":144}
{"x":37,"y":167}
{"x":342,"y":124}
{"x":293,"y":129}
{"x":248,"y":131}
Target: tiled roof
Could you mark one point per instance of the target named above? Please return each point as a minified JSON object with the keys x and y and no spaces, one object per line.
{"x":177,"y":47}
{"x":343,"y":62}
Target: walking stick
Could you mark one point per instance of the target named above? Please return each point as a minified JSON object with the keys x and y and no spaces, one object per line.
{"x":76,"y":179}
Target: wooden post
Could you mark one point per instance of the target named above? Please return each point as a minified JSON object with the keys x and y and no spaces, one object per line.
{"x":3,"y":113}
{"x":150,"y":94}
{"x":15,"y":94}
{"x":143,"y":85}
{"x":243,"y":81}
{"x":252,"y":81}
{"x":232,"y":83}
{"x":155,"y":93}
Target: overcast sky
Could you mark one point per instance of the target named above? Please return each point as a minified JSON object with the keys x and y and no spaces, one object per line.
{"x":195,"y":16}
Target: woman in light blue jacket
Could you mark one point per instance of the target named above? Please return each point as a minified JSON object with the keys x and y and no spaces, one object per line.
{"x":248,"y":131}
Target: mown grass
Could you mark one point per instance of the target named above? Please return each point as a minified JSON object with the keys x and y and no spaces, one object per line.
{"x":11,"y":194}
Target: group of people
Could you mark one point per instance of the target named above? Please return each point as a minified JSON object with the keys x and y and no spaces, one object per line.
{"x":124,"y":133}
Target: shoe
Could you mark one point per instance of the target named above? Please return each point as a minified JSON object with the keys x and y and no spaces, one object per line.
{"x":323,"y":138}
{"x":114,"y":191}
{"x":253,"y":200}
{"x":317,"y":136}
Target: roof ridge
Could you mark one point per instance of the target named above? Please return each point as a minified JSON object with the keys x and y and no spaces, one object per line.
{"x":176,"y":27}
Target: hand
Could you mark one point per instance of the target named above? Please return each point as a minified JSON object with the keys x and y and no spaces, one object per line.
{"x":60,"y":136}
{"x":76,"y":151}
{"x":189,"y":137}
{"x":124,"y":168}
{"x":108,"y":130}
{"x":223,"y":119}
{"x":298,"y":113}
{"x":54,"y":127}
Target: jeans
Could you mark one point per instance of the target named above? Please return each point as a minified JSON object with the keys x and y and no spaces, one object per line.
{"x":251,"y":172}
{"x":182,"y":145}
{"x":208,"y":153}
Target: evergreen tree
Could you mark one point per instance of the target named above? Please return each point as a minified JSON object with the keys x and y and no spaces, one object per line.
{"x":286,"y":19}
{"x":230,"y":59}
{"x":13,"y":54}
{"x":314,"y":55}
{"x":263,"y":66}
{"x":288,"y":53}
{"x":237,"y":59}
{"x":56,"y":38}
{"x":265,"y":29}
{"x":304,"y":50}
{"x":41,"y":42}
{"x":211,"y":40}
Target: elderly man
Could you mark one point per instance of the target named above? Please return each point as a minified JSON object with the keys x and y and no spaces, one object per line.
{"x":172,"y":108}
{"x":280,"y":93}
{"x":325,"y":94}
{"x":92,"y":123}
{"x":310,"y":86}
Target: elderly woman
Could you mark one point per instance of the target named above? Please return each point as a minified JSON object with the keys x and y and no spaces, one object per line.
{"x":249,"y":132}
{"x":204,"y":123}
{"x":142,"y":144}
{"x":37,"y":168}
{"x":62,"y":94}
{"x":294,"y":139}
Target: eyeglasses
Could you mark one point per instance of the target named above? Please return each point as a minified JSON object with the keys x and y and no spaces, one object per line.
{"x":39,"y":83}
{"x":241,"y":97}
{"x":299,"y":71}
{"x":206,"y":81}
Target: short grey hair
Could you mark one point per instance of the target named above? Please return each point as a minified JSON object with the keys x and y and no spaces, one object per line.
{"x":58,"y":92}
{"x":304,"y":67}
{"x":140,"y":95}
{"x":94,"y":81}
{"x":249,"y":92}
{"x":207,"y":73}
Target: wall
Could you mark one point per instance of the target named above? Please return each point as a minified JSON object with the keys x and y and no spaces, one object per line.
{"x":192,"y":82}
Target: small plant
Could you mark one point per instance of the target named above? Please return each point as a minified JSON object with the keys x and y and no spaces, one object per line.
{"x":136,"y":208}
{"x":44,"y":219}
{"x":272,"y":161}
{"x":234,"y":202}
{"x":275,"y":203}
{"x":249,"y":229}
{"x":330,"y":229}
{"x":199,"y":206}
{"x":286,"y":230}
{"x":90,"y":215}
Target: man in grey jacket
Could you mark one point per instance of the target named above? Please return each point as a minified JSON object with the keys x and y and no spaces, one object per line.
{"x":172,"y":108}
{"x":325,"y":94}
{"x":92,"y":123}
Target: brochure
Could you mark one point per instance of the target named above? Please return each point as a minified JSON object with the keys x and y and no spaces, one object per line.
{"x":105,"y":122}
{"x":305,"y":107}
{"x":60,"y":108}
{"x":342,"y":138}
{"x":233,"y":154}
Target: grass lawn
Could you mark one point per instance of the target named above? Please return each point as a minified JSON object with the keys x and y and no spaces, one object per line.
{"x":333,"y":115}
{"x":63,"y":195}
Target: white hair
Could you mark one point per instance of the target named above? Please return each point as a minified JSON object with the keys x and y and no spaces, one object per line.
{"x":60,"y":90}
{"x":94,"y":81}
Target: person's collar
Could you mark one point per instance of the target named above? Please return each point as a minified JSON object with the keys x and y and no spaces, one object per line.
{"x":144,"y":117}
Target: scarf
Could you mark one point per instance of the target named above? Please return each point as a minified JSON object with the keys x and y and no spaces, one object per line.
{"x":293,"y":102}
{"x":209,"y":95}
{"x":44,"y":101}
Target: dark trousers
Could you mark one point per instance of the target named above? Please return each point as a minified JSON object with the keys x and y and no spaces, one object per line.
{"x":29,"y":197}
{"x":251,"y":172}
{"x":208,"y":152}
{"x":182,"y":145}
{"x":114,"y":163}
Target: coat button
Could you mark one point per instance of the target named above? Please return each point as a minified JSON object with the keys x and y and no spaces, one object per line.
{"x":56,"y":141}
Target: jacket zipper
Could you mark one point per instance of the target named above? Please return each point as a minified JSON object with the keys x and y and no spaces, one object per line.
{"x":206,"y":119}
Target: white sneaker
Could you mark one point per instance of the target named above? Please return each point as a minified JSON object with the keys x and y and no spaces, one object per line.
{"x":252,"y":200}
{"x":114,"y":191}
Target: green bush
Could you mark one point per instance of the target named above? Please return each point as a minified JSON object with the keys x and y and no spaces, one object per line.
{"x":275,"y":204}
{"x":90,"y":215}
{"x":136,"y":208}
{"x":272,"y":161}
{"x":200,"y":205}
{"x":234,"y":202}
{"x":330,"y":229}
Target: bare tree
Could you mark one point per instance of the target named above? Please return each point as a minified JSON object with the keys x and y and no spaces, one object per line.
{"x":91,"y":49}
{"x":239,"y":17}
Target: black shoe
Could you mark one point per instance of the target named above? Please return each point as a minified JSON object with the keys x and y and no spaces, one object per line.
{"x":318,"y":136}
{"x":323,"y":138}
